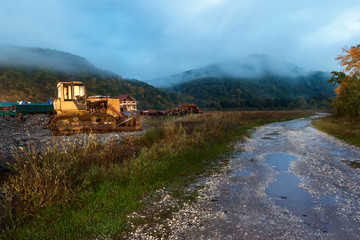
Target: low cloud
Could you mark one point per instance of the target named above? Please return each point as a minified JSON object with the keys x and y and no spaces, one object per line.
{"x":147,"y":39}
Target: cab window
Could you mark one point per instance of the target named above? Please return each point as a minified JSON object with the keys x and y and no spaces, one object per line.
{"x":67,"y":92}
{"x":79,"y":90}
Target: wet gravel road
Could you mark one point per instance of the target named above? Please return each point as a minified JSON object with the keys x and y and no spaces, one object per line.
{"x":287,"y":181}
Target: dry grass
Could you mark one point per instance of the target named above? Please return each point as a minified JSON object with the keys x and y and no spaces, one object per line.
{"x":57,"y":175}
{"x":340,"y":127}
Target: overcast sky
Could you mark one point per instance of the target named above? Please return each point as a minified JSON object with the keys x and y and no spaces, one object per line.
{"x":146,"y":39}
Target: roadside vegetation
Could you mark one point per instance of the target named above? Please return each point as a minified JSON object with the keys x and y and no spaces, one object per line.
{"x":347,"y":100}
{"x":87,"y":191}
{"x":344,"y":124}
{"x":343,"y":128}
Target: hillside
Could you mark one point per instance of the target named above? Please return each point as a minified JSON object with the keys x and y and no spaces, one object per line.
{"x":268,"y":91}
{"x":255,"y":81}
{"x":32,"y":74}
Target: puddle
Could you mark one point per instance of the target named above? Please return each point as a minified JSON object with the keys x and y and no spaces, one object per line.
{"x":267,"y":138}
{"x":285,"y":189}
{"x":281,"y":161}
{"x":246,"y":172}
{"x":286,"y":192}
{"x":336,"y":153}
{"x":245,"y":155}
{"x":273,"y":134}
{"x":296,"y":125}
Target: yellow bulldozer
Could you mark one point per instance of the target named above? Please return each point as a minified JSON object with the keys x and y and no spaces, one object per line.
{"x":75,"y":113}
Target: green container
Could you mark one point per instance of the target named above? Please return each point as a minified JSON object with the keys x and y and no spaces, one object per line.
{"x":7,"y":104}
{"x":34,"y":108}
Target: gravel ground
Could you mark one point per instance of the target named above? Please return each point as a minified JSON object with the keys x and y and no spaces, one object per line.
{"x":33,"y":131}
{"x":288,"y":181}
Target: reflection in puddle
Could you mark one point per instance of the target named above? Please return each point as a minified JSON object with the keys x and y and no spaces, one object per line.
{"x":242,"y":155}
{"x":285,"y":189}
{"x":280,"y":161}
{"x":267,"y":138}
{"x":246,"y":172}
{"x":286,"y":192}
{"x":336,"y":153}
{"x":296,"y":125}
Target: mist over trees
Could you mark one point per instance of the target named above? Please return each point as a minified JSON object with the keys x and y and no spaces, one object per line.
{"x":266,"y":92}
{"x":251,"y":67}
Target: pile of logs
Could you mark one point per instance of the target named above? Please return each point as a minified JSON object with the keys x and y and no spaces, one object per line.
{"x":184,"y":108}
{"x":152,"y":112}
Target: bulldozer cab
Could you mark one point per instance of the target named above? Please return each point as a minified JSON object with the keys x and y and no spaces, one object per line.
{"x":71,"y":97}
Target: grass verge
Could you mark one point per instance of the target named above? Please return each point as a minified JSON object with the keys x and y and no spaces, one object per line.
{"x":87,"y":191}
{"x":343,"y":128}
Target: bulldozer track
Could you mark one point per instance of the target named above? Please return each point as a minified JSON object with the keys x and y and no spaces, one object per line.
{"x":89,"y":122}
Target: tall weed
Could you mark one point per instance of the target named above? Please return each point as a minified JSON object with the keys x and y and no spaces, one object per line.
{"x":57,"y":175}
{"x":38,"y":181}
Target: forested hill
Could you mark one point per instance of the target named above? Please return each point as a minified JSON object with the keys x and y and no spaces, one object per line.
{"x":268,"y":91}
{"x":39,"y":85}
{"x":32,"y":74}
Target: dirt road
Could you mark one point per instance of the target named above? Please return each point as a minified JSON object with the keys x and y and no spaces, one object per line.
{"x":287,"y":181}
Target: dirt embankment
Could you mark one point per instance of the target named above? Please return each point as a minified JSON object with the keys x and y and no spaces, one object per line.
{"x":33,"y":133}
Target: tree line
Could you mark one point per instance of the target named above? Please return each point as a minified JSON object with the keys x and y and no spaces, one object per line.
{"x":268,"y":92}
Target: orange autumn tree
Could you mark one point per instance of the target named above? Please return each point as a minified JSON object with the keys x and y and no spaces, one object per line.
{"x":347,"y":101}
